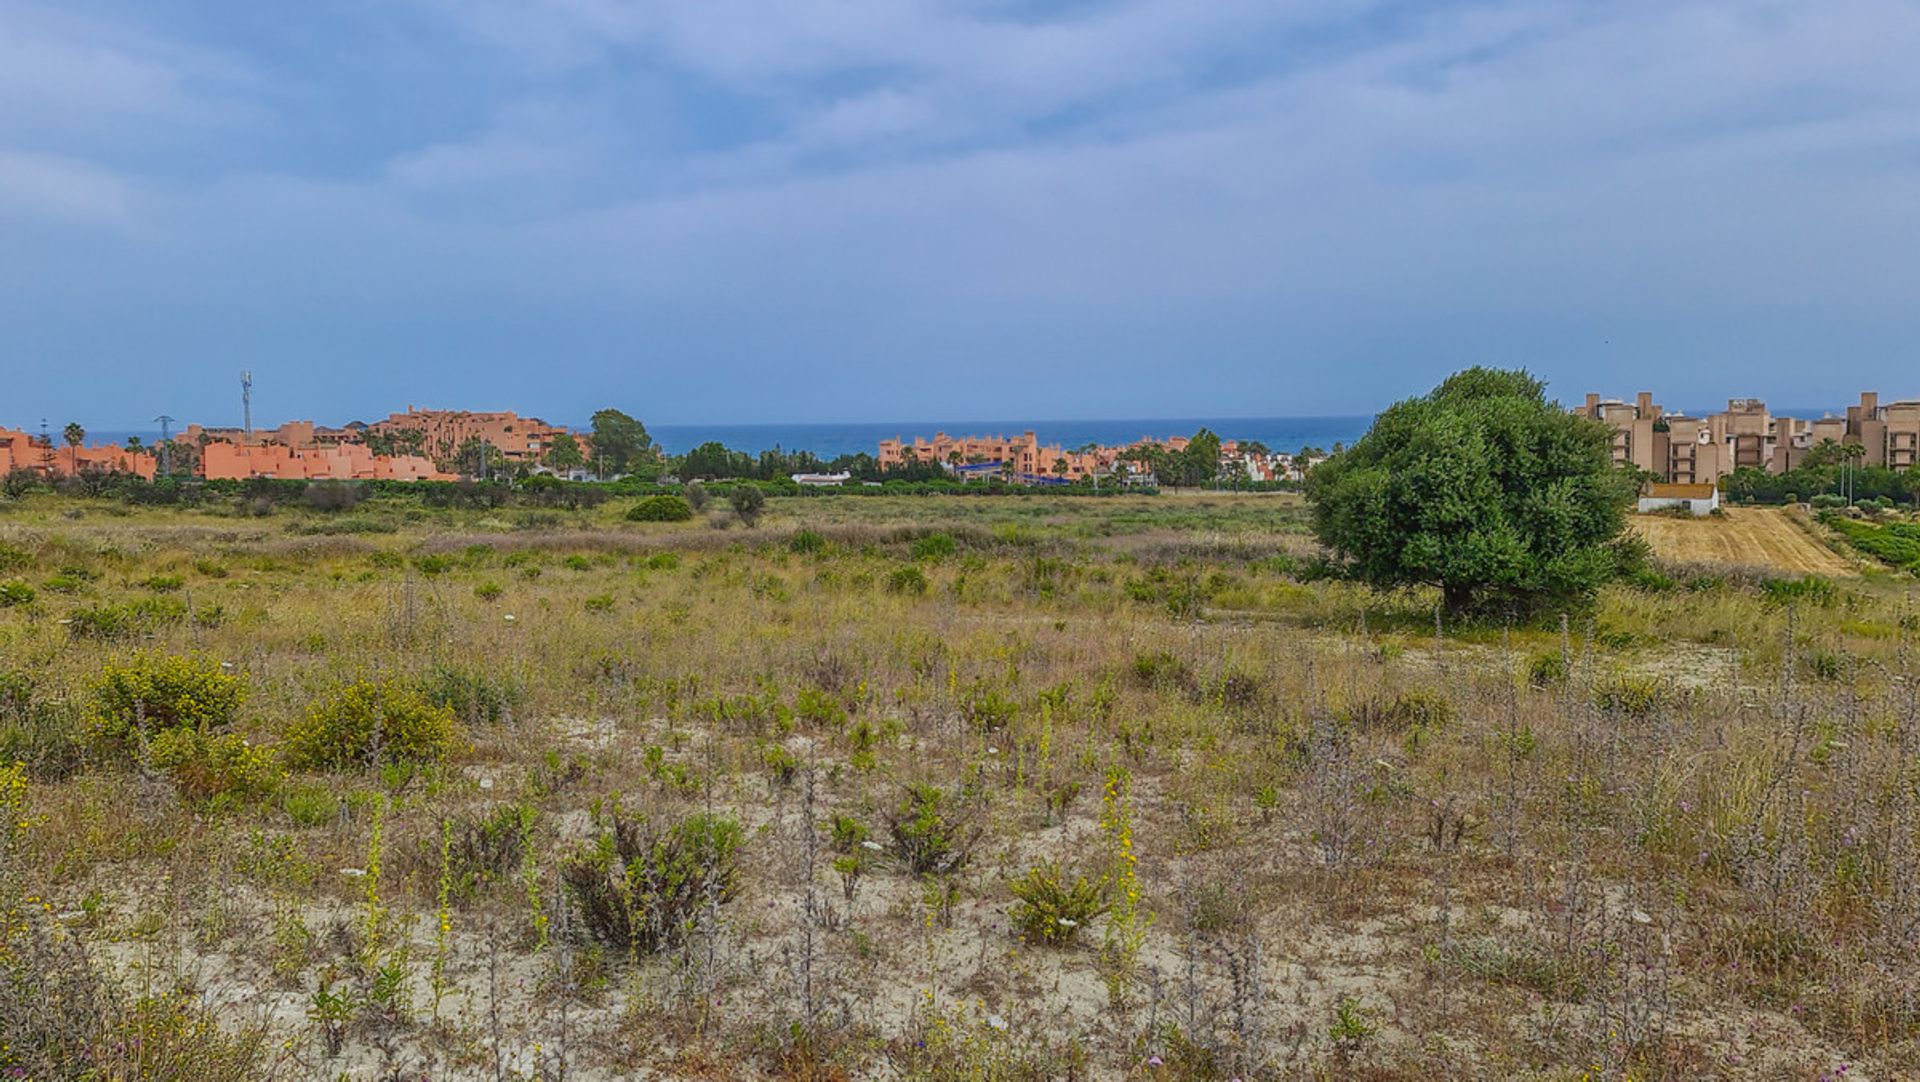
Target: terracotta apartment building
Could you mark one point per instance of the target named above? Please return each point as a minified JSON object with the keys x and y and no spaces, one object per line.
{"x":221,"y":460}
{"x":1684,"y":449}
{"x":303,"y":450}
{"x":1022,"y":454}
{"x":53,"y":458}
{"x":443,"y":432}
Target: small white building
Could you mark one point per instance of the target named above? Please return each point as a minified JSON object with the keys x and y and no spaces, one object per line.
{"x":1697,"y":499}
{"x":821,"y":480}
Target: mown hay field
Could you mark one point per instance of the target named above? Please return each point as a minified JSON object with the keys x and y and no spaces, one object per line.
{"x":927,"y":788}
{"x":1760,"y":537}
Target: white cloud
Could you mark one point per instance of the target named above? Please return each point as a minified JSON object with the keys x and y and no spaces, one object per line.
{"x":46,"y":187}
{"x":58,"y":70}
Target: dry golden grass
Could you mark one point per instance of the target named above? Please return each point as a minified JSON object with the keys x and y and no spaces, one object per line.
{"x":1761,"y":537}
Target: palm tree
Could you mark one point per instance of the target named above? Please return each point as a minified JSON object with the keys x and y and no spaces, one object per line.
{"x":74,"y":434}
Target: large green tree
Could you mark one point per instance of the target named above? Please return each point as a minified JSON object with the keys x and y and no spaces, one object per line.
{"x":563,"y":453}
{"x":1504,"y":501}
{"x":619,"y":441}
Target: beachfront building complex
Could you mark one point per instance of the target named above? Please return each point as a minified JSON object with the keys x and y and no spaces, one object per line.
{"x":440,"y":434}
{"x":51,"y":458}
{"x":1025,"y":459}
{"x":1685,"y":449}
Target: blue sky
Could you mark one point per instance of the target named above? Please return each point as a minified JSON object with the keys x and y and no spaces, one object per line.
{"x":830,"y":210}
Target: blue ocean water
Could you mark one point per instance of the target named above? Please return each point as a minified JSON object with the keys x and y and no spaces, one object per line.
{"x":832,"y":440}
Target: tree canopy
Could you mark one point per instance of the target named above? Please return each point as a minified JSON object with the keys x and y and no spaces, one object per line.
{"x":619,"y":440}
{"x":1504,"y":501}
{"x":564,"y":453}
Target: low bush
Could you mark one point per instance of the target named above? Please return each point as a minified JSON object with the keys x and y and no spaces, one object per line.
{"x":639,"y":887}
{"x":660,"y":509}
{"x":1547,"y":669}
{"x":1161,"y":671}
{"x":15,"y":593}
{"x":476,"y":696}
{"x":368,"y":722}
{"x":747,"y":502}
{"x":1633,"y":696}
{"x":155,"y":693}
{"x":138,"y":617}
{"x":927,"y":837}
{"x":309,"y":805}
{"x":1052,"y":911}
{"x":41,"y":735}
{"x":486,"y":848}
{"x":1410,"y":710}
{"x":1807,"y":590}
{"x":934,"y":546}
{"x":909,"y":580}
{"x":806,"y":541}
{"x":215,"y":768}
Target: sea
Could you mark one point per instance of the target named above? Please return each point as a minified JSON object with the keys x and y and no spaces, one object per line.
{"x":829,"y":441}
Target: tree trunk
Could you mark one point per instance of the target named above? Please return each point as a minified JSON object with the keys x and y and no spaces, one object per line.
{"x":1457,"y":596}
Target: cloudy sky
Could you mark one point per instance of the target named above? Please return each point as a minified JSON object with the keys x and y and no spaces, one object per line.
{"x":829,"y":210}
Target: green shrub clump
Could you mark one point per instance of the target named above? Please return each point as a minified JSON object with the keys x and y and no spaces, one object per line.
{"x":934,"y":546}
{"x":218,"y":767}
{"x":371,"y":721}
{"x":927,"y":837}
{"x":1052,"y":911}
{"x":638,"y":887}
{"x":15,"y":593}
{"x":156,"y":693}
{"x":907,"y":580}
{"x":475,"y":696}
{"x":660,"y":509}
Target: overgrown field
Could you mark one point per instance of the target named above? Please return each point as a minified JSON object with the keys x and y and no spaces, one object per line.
{"x":929,"y":788}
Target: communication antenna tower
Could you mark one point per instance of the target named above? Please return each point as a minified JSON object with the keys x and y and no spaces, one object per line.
{"x":166,"y":442}
{"x":246,"y":405}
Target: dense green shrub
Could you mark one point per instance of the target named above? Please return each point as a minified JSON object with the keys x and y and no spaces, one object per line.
{"x":157,"y":692}
{"x":638,"y":887}
{"x":1050,"y":910}
{"x":1895,"y":543}
{"x":369,"y":722}
{"x":806,"y":541}
{"x":660,"y":509}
